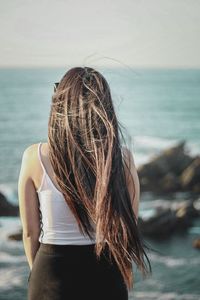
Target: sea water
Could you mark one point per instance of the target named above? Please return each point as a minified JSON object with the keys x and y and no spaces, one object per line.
{"x":158,"y":108}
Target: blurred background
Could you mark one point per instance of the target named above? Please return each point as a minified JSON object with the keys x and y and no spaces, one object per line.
{"x":149,"y":53}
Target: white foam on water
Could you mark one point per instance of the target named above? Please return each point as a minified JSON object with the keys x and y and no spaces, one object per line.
{"x":149,"y":208}
{"x":154,"y":204}
{"x":168,"y":261}
{"x":161,"y":296}
{"x":193,"y":149}
{"x":9,"y":225}
{"x":153,"y":142}
{"x":12,"y":256}
{"x":194,"y":230}
{"x":9,"y":248}
{"x":147,"y":147}
{"x":10,"y":278}
{"x":140,"y":159}
{"x":146,"y":214}
{"x":172,"y":262}
{"x":9,"y":258}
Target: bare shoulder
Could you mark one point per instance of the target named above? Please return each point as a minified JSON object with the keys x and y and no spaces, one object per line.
{"x":30,"y":151}
{"x":28,"y":161}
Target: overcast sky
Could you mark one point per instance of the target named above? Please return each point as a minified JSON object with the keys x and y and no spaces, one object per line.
{"x":142,"y":33}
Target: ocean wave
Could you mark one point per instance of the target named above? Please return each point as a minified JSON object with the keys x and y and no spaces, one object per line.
{"x":153,"y":142}
{"x":194,"y":230}
{"x":172,"y":262}
{"x":8,"y":226}
{"x":12,"y":277}
{"x":9,"y":258}
{"x":161,"y":296}
{"x":193,"y":148}
{"x":168,"y":261}
{"x":164,"y":203}
{"x":147,"y":147}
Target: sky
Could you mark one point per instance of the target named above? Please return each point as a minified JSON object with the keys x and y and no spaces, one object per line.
{"x":117,"y":33}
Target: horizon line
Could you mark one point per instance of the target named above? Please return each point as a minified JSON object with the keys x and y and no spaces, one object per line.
{"x":163,"y":67}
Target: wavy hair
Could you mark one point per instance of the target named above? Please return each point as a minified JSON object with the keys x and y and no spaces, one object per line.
{"x":86,"y":154}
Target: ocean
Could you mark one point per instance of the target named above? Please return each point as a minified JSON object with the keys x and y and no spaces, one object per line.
{"x":158,"y":108}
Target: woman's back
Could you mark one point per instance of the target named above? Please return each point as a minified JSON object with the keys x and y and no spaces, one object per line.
{"x":59,"y":225}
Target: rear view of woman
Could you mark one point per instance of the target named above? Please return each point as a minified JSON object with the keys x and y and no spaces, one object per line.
{"x":79,"y":198}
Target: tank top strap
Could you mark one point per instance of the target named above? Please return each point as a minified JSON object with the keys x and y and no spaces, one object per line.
{"x":40,"y":157}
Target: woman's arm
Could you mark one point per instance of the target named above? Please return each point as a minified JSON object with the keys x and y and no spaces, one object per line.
{"x":132,"y":180}
{"x":28,"y":205}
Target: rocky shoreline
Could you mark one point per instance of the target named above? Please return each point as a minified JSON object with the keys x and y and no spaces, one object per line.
{"x":173,"y":170}
{"x":177,"y":218}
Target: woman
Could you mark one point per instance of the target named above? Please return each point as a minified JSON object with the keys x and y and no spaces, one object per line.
{"x":79,"y":198}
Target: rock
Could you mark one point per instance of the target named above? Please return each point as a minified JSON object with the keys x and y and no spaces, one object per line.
{"x":183,"y":219}
{"x":159,"y":226}
{"x":169,"y":183}
{"x":176,"y":158}
{"x":16,"y":236}
{"x":196,"y":243}
{"x":168,"y":221}
{"x":162,"y":173}
{"x":188,"y":207}
{"x":190,"y":178}
{"x":7,"y":208}
{"x":192,"y":209}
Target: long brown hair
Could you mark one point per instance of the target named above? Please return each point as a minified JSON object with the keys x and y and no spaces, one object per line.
{"x":85,"y":151}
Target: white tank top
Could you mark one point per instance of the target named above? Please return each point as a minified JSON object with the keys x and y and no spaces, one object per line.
{"x":59,"y":225}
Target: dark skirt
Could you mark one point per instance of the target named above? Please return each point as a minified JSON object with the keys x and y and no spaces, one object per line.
{"x":72,"y":272}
